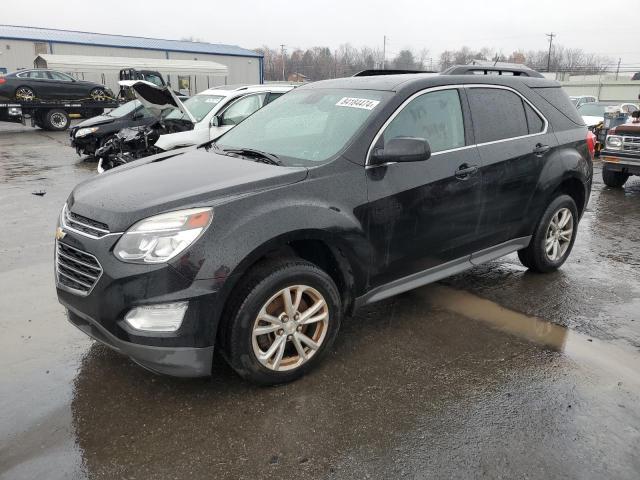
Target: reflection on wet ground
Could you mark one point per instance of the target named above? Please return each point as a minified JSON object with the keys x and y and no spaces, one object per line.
{"x":475,"y":377}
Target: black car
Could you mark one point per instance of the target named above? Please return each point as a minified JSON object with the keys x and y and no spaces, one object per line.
{"x":339,"y":194}
{"x":90,"y":134}
{"x":43,"y":84}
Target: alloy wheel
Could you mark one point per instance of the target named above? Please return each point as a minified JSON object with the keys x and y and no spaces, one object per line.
{"x":290,"y":328}
{"x":559,"y":234}
{"x":26,"y":94}
{"x":99,"y":95}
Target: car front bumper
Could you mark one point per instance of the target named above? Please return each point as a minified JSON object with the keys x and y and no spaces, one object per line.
{"x":100,"y":313}
{"x":618,"y":161}
{"x":174,"y":361}
{"x":87,"y":144}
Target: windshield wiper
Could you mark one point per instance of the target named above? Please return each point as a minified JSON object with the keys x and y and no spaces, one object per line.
{"x":258,"y":155}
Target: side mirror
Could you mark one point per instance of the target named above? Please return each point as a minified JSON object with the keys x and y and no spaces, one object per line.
{"x":137,"y":116}
{"x":402,"y":149}
{"x":216,"y":121}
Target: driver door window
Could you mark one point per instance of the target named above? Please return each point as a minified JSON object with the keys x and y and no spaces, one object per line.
{"x":242,"y":108}
{"x":435,"y":116}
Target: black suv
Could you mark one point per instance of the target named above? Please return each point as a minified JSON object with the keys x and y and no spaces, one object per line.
{"x":339,"y":194}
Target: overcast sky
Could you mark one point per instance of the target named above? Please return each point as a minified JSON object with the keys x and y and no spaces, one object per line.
{"x":505,"y":25}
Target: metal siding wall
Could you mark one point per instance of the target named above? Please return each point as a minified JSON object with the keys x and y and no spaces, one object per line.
{"x":21,"y":54}
{"x":622,"y":91}
{"x":241,"y":69}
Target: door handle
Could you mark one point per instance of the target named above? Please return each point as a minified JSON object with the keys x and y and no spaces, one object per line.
{"x":541,"y":149}
{"x":464,"y":171}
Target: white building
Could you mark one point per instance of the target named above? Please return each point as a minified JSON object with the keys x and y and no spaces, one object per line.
{"x":19,"y":47}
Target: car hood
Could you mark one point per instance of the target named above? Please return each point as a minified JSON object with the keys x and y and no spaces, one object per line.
{"x":592,"y":121}
{"x":156,"y":99}
{"x":173,"y":180}
{"x":95,"y":121}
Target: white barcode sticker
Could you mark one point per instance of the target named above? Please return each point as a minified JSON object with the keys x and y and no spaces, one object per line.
{"x":364,"y":103}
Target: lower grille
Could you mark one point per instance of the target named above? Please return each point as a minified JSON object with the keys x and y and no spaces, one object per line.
{"x":77,"y":271}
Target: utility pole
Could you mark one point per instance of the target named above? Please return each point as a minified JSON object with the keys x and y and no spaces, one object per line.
{"x":384,"y":51}
{"x":550,"y":35}
{"x":282,"y":53}
{"x":618,"y":69}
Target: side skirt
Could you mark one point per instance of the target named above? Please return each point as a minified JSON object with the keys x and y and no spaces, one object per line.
{"x":447,"y":269}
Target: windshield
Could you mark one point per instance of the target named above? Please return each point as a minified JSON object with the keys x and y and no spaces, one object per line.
{"x":125,"y":109}
{"x":199,"y":106}
{"x":591,"y":110}
{"x":307,"y":125}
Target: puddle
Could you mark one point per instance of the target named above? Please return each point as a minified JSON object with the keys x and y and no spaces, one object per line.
{"x":613,"y":359}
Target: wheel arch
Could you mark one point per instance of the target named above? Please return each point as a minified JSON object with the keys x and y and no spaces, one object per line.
{"x":575,"y":188}
{"x":315,"y":246}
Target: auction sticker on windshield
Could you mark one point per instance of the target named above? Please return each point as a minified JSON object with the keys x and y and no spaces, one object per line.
{"x":364,"y":103}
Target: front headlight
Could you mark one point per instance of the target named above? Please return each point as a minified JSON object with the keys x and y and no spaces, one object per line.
{"x":614,"y":142}
{"x":83,"y":132}
{"x":160,"y":238}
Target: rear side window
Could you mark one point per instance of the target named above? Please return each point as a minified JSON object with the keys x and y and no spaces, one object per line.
{"x":434,"y":116}
{"x":497,"y":114}
{"x":559,"y":99}
{"x":536,"y":124}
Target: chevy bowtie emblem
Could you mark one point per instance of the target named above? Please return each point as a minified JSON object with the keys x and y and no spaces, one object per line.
{"x":60,"y":234}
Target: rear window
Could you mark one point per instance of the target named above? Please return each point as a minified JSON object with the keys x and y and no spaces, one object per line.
{"x":536,"y":124}
{"x":559,"y":99}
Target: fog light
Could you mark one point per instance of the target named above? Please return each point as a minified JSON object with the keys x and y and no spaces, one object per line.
{"x":166,"y":317}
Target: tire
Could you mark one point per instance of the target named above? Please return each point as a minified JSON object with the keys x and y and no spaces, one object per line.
{"x":25,"y":94}
{"x":614,"y":179}
{"x":56,"y":120}
{"x":536,"y":257}
{"x":262,"y":291}
{"x":99,"y":95}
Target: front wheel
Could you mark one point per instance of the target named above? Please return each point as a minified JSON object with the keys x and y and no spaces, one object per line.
{"x":283,"y":319}
{"x":614,"y":179}
{"x":99,"y":95}
{"x":553,"y":238}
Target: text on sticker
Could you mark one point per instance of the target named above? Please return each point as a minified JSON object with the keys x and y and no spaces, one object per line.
{"x":357,"y":103}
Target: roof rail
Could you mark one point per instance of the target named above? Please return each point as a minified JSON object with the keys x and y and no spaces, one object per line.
{"x":373,"y":73}
{"x":494,"y":69}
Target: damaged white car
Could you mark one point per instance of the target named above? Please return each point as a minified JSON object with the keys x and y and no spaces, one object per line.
{"x":199,"y":119}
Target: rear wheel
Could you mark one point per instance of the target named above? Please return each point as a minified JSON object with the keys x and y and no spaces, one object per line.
{"x":613,"y":179}
{"x":553,"y":238}
{"x":25,"y":94}
{"x":283,"y":319}
{"x":56,"y":120}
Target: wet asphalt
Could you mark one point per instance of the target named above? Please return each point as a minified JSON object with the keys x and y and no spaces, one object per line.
{"x":494,"y":373}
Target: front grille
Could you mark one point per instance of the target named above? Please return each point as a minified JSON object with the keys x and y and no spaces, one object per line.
{"x":76,"y":270}
{"x":83,"y":225}
{"x":631,"y":144}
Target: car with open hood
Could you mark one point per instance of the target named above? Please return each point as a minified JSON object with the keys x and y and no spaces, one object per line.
{"x":205,"y":116}
{"x":337,"y":195}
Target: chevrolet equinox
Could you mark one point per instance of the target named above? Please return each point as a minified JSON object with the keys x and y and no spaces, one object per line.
{"x":338,"y":194}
